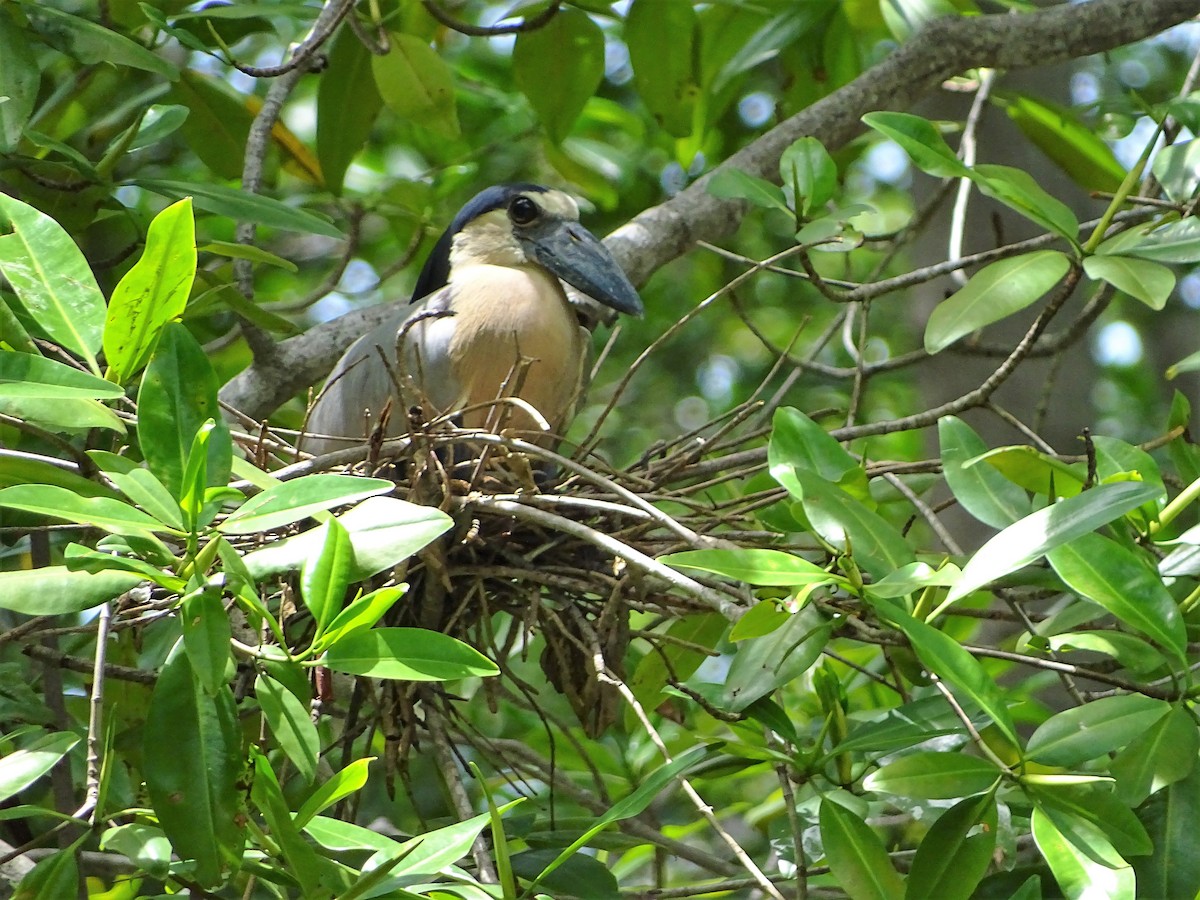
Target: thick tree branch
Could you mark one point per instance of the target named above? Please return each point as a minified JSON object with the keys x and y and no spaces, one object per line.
{"x":655,"y":237}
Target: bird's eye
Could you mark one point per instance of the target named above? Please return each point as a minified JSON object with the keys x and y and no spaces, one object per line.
{"x":523,"y":211}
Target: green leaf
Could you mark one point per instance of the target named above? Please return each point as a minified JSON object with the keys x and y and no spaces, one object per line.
{"x":753,"y":566}
{"x":983,"y":492}
{"x":64,"y":416}
{"x":360,"y":615}
{"x":1149,"y":282}
{"x":144,"y":845}
{"x":23,"y":767}
{"x":763,"y":664}
{"x":955,"y":853}
{"x":311,"y":870}
{"x":810,"y":172}
{"x":83,"y":559}
{"x":22,"y":470}
{"x":1178,"y":242}
{"x":849,"y":525}
{"x":1164,"y":754}
{"x":152,"y":293}
{"x":993,"y":293}
{"x":636,"y":802}
{"x":1036,"y":471}
{"x":1018,"y":190}
{"x":943,"y":656}
{"x":676,"y":657}
{"x":1172,"y":819}
{"x":1094,"y":804}
{"x":217,"y":125}
{"x":325,"y":577}
{"x":559,"y":67}
{"x":1177,"y":168}
{"x":92,"y":44}
{"x":728,"y":183}
{"x":206,"y":637}
{"x":51,"y":279}
{"x":29,"y":377}
{"x":193,"y":762}
{"x":20,"y":78}
{"x":930,"y":775}
{"x":1024,"y":541}
{"x":1058,"y":132}
{"x":799,"y":442}
{"x":290,"y":501}
{"x":1078,"y":874}
{"x":663,"y":69}
{"x":383,"y":531}
{"x":178,"y":395}
{"x":348,"y":103}
{"x":906,"y":17}
{"x":417,"y":84}
{"x":856,"y":856}
{"x":56,"y":590}
{"x":761,"y":619}
{"x":55,"y":876}
{"x":139,"y":485}
{"x":920,"y":139}
{"x":1107,"y":573}
{"x":242,"y":206}
{"x":1076,"y":735}
{"x":407,"y":654}
{"x":291,"y":724}
{"x":1131,"y":652}
{"x":248,"y":252}
{"x":342,"y":784}
{"x":113,"y":516}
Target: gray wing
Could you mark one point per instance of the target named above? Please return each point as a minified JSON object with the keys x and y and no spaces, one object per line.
{"x":360,"y":385}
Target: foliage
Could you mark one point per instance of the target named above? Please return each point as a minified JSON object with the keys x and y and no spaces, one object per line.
{"x":720,"y":645}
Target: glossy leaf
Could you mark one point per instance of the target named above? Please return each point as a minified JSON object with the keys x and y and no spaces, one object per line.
{"x":140,"y":486}
{"x":291,"y":724}
{"x":193,"y":763}
{"x":1077,"y":809}
{"x":24,"y":470}
{"x":29,"y":377}
{"x":1018,"y":190}
{"x":325,"y":577}
{"x":1034,"y":470}
{"x":1107,"y":573}
{"x":799,"y":442}
{"x":559,"y":67}
{"x":1074,"y":736}
{"x":342,"y":784}
{"x":1024,"y":541}
{"x":113,"y":516}
{"x":662,"y":70}
{"x":1078,"y":874}
{"x":1130,"y":651}
{"x":144,"y":845}
{"x":810,"y":172}
{"x":417,"y":84}
{"x":955,"y":853}
{"x":178,"y":395}
{"x":57,"y":875}
{"x":1150,"y":282}
{"x":407,"y":654}
{"x":763,"y":664}
{"x":1163,"y":754}
{"x":728,"y":183}
{"x":1172,"y":819}
{"x":19,"y":81}
{"x":218,"y":121}
{"x":383,"y":531}
{"x":993,"y":293}
{"x":1057,"y":131}
{"x":348,"y":102}
{"x":23,"y":767}
{"x":856,"y":855}
{"x":152,"y":293}
{"x":945,"y":657}
{"x":302,"y":861}
{"x":753,"y":566}
{"x":92,"y":43}
{"x":1177,"y":242}
{"x":206,"y":637}
{"x":51,"y":279}
{"x":920,"y":139}
{"x":360,"y":615}
{"x":1177,"y":169}
{"x":984,"y":493}
{"x":56,"y":590}
{"x":934,"y":776}
{"x":291,"y":501}
{"x":242,"y":206}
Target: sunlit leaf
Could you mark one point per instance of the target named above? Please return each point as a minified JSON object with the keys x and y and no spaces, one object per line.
{"x":753,"y":566}
{"x":1076,"y":735}
{"x":984,"y":493}
{"x":934,"y":776}
{"x":417,"y":84}
{"x":407,"y":654}
{"x":23,"y":767}
{"x":291,"y":501}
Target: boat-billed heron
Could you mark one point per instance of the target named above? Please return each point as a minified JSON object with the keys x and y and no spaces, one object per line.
{"x":491,"y":318}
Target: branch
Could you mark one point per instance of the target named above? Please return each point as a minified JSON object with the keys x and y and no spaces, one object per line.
{"x":943,"y":48}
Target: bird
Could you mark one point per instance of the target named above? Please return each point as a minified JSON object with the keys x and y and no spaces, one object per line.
{"x":489,"y":312}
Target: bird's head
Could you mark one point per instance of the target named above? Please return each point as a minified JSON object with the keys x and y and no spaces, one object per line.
{"x":520,"y":224}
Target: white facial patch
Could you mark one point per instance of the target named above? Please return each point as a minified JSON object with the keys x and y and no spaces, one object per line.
{"x":487,"y":240}
{"x":556,"y":203}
